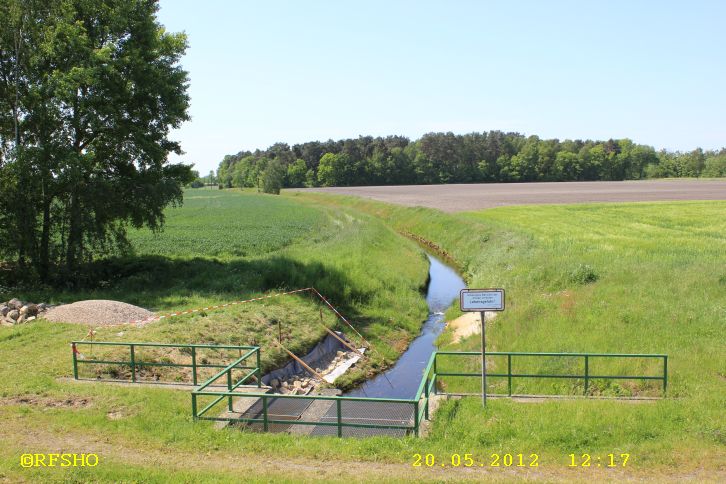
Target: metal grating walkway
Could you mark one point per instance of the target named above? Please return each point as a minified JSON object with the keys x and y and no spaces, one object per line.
{"x":367,"y":413}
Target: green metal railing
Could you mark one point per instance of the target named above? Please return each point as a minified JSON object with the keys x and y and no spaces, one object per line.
{"x":587,"y":376}
{"x":420,"y":402}
{"x":341,"y":421}
{"x":135,"y":363}
{"x":408,"y":414}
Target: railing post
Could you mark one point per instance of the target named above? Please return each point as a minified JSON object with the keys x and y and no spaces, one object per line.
{"x":415,"y":417}
{"x":75,"y":361}
{"x":258,"y":370}
{"x":436,"y":355}
{"x":194,"y":406}
{"x":587,"y":373}
{"x":665,"y":373}
{"x":229,"y":389}
{"x":426,"y":393}
{"x":264,"y":412}
{"x":194,"y":365}
{"x":133,"y":365}
{"x":509,"y":373}
{"x":340,"y":417}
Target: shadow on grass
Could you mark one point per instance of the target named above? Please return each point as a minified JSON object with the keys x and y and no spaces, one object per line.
{"x":152,"y":281}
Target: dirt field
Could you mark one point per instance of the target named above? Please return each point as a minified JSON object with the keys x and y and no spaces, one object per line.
{"x":459,"y":198}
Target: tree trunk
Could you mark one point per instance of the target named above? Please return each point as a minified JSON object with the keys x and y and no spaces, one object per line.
{"x":44,"y":262}
{"x":75,"y":234}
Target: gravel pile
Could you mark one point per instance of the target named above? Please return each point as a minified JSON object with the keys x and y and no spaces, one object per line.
{"x":97,"y":312}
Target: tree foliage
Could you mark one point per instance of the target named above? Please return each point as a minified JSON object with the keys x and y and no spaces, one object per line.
{"x":89,"y":90}
{"x":493,"y":156}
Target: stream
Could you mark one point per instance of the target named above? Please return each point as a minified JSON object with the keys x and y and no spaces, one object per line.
{"x":403,"y":379}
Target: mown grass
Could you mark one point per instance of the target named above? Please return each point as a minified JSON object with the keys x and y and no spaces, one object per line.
{"x":580,"y":278}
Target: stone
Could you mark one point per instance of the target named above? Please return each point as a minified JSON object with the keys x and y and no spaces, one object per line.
{"x":29,"y":309}
{"x":42,"y":307}
{"x":15,"y":303}
{"x":31,"y":318}
{"x":296,"y":385}
{"x":285,"y":384}
{"x":13,"y":314}
{"x":21,"y":319}
{"x":4,"y":310}
{"x":275,"y":383}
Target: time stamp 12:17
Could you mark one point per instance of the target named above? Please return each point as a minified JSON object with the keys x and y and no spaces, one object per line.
{"x":517,"y":460}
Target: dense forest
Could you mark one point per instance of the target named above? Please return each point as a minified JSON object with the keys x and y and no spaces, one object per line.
{"x":449,"y":158}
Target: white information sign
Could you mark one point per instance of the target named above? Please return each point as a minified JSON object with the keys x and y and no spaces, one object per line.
{"x":481,"y":299}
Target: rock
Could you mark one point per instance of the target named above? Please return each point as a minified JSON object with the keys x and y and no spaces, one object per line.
{"x":275,"y":383}
{"x":21,"y":319}
{"x":42,"y":307}
{"x":13,"y":314}
{"x":29,"y":309}
{"x":296,"y":385}
{"x":31,"y":318}
{"x":285,"y":384}
{"x":4,"y":310}
{"x":15,"y":303}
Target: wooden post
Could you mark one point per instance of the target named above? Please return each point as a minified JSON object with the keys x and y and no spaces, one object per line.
{"x":304,"y":365}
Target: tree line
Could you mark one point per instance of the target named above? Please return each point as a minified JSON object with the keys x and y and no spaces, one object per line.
{"x":435,"y":158}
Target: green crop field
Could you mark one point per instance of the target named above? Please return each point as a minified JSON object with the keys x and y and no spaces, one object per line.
{"x":216,"y":223}
{"x":598,"y":278}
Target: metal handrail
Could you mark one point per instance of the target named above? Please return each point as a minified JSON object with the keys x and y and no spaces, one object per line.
{"x":133,"y":363}
{"x":586,"y":376}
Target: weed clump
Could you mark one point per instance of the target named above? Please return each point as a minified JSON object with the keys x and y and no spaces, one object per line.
{"x":583,"y":274}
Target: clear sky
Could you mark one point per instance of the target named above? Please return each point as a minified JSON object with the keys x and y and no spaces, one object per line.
{"x":294,"y":71}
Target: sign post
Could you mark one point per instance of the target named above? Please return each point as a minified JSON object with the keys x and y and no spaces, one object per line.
{"x":482,"y":300}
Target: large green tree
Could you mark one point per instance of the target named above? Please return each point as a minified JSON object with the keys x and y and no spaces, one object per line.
{"x":89,"y":90}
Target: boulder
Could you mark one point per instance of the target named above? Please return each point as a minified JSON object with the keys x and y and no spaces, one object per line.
{"x":21,"y":319}
{"x":29,"y":310}
{"x":13,"y":314}
{"x":4,"y":310}
{"x":15,"y":303}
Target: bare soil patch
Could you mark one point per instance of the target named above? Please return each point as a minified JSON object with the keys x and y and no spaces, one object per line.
{"x":47,"y":402}
{"x":468,"y":324}
{"x":464,"y":197}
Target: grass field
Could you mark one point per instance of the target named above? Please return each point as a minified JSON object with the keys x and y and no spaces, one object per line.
{"x":624,"y":278}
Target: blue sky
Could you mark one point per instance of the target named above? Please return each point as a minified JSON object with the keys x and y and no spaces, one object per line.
{"x":294,"y":71}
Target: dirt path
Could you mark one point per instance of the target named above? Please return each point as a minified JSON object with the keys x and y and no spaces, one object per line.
{"x":458,"y":198}
{"x":29,"y":438}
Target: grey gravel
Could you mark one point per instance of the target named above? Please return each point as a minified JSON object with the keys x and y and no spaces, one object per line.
{"x":97,"y":312}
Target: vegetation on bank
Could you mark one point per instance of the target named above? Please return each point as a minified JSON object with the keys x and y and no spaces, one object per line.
{"x":578,"y":278}
{"x":630,"y":278}
{"x":435,"y":158}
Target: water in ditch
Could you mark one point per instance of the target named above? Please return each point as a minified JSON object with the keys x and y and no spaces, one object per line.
{"x":403,"y":379}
